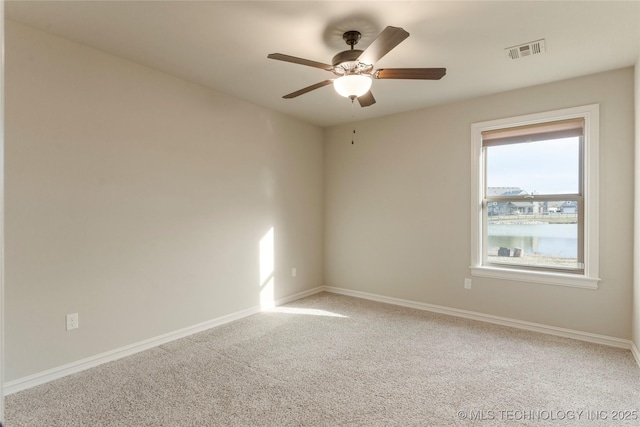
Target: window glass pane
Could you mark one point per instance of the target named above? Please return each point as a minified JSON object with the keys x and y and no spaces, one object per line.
{"x":546,"y":239}
{"x":543,"y":167}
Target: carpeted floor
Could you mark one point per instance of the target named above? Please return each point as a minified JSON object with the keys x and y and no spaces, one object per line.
{"x":332,"y":360}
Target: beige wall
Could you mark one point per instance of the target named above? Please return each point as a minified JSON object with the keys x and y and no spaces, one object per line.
{"x":139,"y":200}
{"x":397,"y":214}
{"x":636,"y":253}
{"x":1,"y":217}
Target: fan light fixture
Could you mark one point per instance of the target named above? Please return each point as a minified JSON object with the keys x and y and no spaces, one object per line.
{"x":352,"y":86}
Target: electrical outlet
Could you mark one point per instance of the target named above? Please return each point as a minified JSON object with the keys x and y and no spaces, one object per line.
{"x":72,"y":321}
{"x":294,"y":272}
{"x":467,"y":283}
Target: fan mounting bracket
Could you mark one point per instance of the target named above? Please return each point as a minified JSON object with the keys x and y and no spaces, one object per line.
{"x":351,"y":38}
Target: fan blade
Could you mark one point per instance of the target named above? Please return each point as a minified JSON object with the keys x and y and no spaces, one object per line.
{"x":366,"y":99}
{"x":308,"y":89}
{"x":301,"y":61}
{"x":389,"y":38}
{"x":410,"y":73}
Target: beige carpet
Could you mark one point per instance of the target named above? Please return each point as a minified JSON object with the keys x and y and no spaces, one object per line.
{"x":331,"y":360}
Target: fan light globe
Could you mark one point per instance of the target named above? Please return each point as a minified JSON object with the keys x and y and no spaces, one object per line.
{"x":352,"y":86}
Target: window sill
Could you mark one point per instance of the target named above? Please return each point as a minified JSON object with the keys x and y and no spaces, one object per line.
{"x":547,"y":278}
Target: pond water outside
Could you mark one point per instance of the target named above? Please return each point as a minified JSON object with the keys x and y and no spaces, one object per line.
{"x":543,"y":245}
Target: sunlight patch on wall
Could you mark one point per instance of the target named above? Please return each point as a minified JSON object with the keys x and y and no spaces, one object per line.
{"x":267,"y":264}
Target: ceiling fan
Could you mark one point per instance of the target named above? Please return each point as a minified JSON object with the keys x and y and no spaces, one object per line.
{"x":355,"y":67}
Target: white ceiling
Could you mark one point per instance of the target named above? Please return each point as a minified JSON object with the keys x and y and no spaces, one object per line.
{"x":224,"y":45}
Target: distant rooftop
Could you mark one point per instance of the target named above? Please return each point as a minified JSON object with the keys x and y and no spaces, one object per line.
{"x":505,"y":191}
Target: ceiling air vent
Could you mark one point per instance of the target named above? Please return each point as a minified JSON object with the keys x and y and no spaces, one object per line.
{"x":527,"y":49}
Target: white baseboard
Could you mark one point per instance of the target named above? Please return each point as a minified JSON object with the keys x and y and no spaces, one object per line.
{"x":39,"y":378}
{"x":504,"y":321}
{"x":299,"y":295}
{"x":635,"y":352}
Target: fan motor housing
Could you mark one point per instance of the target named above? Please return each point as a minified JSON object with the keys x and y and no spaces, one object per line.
{"x":346,"y":56}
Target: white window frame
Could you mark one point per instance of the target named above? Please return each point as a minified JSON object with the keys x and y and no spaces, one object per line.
{"x":590,"y":277}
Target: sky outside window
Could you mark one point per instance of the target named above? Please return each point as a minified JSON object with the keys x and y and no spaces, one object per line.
{"x":543,"y":167}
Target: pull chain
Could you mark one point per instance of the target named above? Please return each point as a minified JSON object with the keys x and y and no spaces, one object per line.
{"x":353,"y":117}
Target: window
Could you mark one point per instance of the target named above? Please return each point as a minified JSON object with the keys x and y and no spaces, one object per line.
{"x":534,"y":198}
